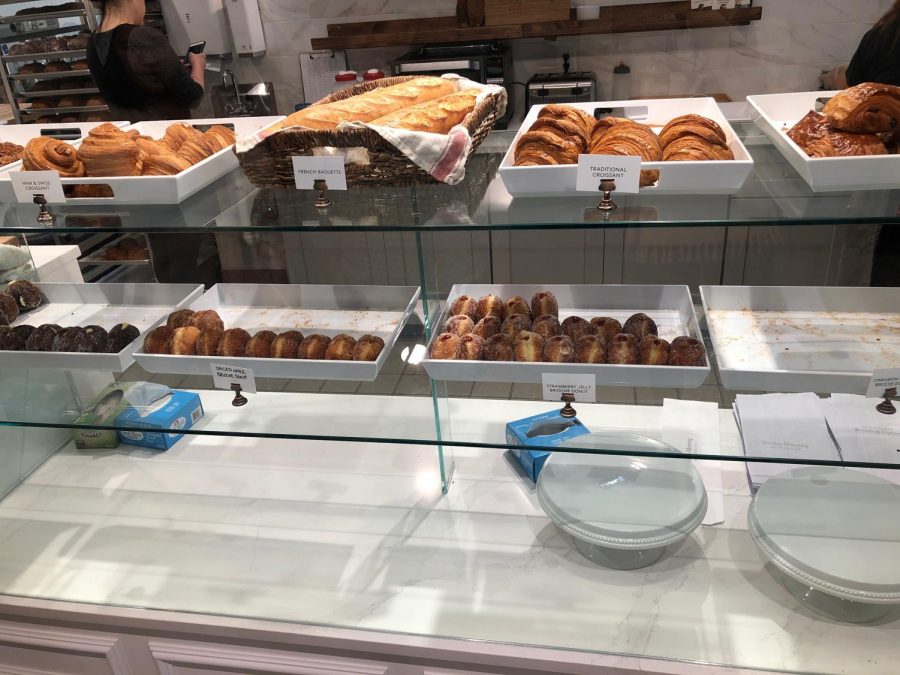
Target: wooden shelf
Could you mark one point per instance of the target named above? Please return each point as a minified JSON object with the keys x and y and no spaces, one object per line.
{"x":619,"y":19}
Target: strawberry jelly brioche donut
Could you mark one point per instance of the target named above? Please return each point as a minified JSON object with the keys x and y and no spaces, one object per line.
{"x":459,"y":324}
{"x":499,"y":347}
{"x":445,"y":346}
{"x":470,"y":348}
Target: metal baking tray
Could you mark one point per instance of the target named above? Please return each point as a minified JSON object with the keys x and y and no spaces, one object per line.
{"x":40,"y":112}
{"x":328,"y":310}
{"x":68,"y":304}
{"x":22,"y":18}
{"x":798,"y":339}
{"x":669,"y":306}
{"x":56,"y":93}
{"x":45,"y":56}
{"x":51,"y":76}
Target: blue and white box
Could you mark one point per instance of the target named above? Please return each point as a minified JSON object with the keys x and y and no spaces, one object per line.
{"x":546,"y":430}
{"x":162,"y":419}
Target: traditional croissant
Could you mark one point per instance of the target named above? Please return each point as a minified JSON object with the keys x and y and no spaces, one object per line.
{"x":694,"y":125}
{"x":108,"y":151}
{"x":45,"y":154}
{"x":626,"y":137}
{"x":164,"y":165}
{"x":844,"y":144}
{"x":536,"y":148}
{"x":692,"y":148}
{"x":867,"y":108}
{"x":571,"y":122}
{"x":438,"y":116}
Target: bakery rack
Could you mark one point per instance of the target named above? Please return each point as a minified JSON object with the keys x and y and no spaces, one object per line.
{"x":23,"y":90}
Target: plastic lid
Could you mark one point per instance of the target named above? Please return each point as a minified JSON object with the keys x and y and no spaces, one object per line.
{"x":837,"y":530}
{"x":373,"y":74}
{"x":617,"y":501}
{"x":345,"y":76}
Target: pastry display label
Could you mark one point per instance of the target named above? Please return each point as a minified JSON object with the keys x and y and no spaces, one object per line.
{"x":28,"y":184}
{"x":883,"y":379}
{"x":625,"y":171}
{"x":224,"y":376}
{"x":308,"y":170}
{"x":584,"y":387}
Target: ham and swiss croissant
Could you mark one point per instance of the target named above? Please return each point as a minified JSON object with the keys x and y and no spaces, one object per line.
{"x":164,"y":165}
{"x":108,"y":151}
{"x":46,"y":154}
{"x":867,"y":108}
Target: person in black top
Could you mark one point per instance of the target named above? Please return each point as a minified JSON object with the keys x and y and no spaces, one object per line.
{"x":137,"y":71}
{"x":877,"y":59}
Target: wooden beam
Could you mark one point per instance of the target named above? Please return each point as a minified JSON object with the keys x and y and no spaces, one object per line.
{"x":395,"y":26}
{"x":470,"y":34}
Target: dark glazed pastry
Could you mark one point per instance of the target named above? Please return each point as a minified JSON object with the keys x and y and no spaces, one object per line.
{"x":515,"y":324}
{"x":559,"y":349}
{"x":41,"y":339}
{"x":529,"y":347}
{"x":445,"y":347}
{"x":234,"y":342}
{"x":653,"y":351}
{"x":59,"y":341}
{"x":120,"y":336}
{"x":640,"y":325}
{"x":459,"y":324}
{"x":97,"y":338}
{"x":687,"y":351}
{"x":491,"y":305}
{"x":470,"y":348}
{"x":518,"y":305}
{"x":26,"y":294}
{"x":183,"y":341}
{"x":285,"y":346}
{"x":622,"y":349}
{"x":208,"y":342}
{"x":207,"y":319}
{"x":465,"y":304}
{"x":498,"y":347}
{"x":313,"y":347}
{"x":9,"y":308}
{"x":17,"y":337}
{"x":544,"y":302}
{"x":546,"y":326}
{"x":576,"y":327}
{"x":606,"y":328}
{"x":590,"y":349}
{"x":368,"y":348}
{"x":180,"y":318}
{"x":488,"y":326}
{"x":3,"y":320}
{"x":260,"y":345}
{"x":4,"y":331}
{"x":341,"y":348}
{"x":75,"y":340}
{"x":157,"y":340}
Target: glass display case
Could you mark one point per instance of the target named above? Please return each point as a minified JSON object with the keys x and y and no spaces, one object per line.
{"x":737,"y":508}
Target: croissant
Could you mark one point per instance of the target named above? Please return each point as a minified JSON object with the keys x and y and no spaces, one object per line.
{"x":695,"y":125}
{"x":565,"y":128}
{"x":152,"y":147}
{"x":692,"y":148}
{"x":813,"y":125}
{"x":534,"y":145}
{"x":568,"y":118}
{"x":225,"y":135}
{"x":197,"y":149}
{"x":178,"y":134}
{"x":164,"y":165}
{"x":867,"y":108}
{"x":843,"y":144}
{"x":628,"y":138}
{"x":45,"y":154}
{"x":108,"y":151}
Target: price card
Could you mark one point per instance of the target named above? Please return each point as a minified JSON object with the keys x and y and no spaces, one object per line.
{"x":882,"y":380}
{"x":307,"y":170}
{"x":224,"y":376}
{"x":626,"y":171}
{"x":27,"y":184}
{"x":584,"y":387}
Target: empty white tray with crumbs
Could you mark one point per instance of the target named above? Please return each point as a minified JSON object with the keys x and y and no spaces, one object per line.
{"x":67,"y":304}
{"x":711,"y":177}
{"x":798,"y":339}
{"x":326,"y":310}
{"x":775,"y":114}
{"x":158,"y":189}
{"x":669,"y":306}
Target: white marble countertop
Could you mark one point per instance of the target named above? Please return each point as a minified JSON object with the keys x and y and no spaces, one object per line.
{"x":360,"y":536}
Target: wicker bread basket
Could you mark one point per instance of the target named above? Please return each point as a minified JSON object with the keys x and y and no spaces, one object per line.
{"x":268,"y":163}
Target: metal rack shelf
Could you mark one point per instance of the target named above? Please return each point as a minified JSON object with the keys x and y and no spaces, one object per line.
{"x":19,"y":18}
{"x":63,"y":111}
{"x":50,"y":76}
{"x":44,"y":56}
{"x":28,"y":95}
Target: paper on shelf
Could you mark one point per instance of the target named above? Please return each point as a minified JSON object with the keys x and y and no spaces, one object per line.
{"x":863,"y":434}
{"x":693,"y":428}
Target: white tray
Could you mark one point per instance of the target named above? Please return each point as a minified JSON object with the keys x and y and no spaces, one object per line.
{"x":714,"y":177}
{"x":157,"y":189}
{"x":797,"y":339}
{"x":327,"y":310}
{"x":22,"y":133}
{"x":775,"y":114}
{"x":106,"y":305}
{"x":669,"y":306}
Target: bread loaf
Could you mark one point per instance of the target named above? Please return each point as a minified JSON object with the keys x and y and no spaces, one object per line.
{"x":371,"y":105}
{"x":438,"y":116}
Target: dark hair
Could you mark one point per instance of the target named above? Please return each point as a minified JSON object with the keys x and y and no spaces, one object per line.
{"x":888,"y":26}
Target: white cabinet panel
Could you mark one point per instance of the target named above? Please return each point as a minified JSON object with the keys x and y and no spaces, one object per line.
{"x":34,"y":650}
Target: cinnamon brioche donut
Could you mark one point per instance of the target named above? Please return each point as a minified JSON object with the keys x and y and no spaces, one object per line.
{"x":208,"y":342}
{"x":313,"y":347}
{"x":341,"y":348}
{"x":368,"y":348}
{"x":208,"y":319}
{"x":45,"y":153}
{"x":157,"y":340}
{"x":234,"y":342}
{"x":183,"y":341}
{"x":286,"y":345}
{"x":180,"y":318}
{"x":260,"y":345}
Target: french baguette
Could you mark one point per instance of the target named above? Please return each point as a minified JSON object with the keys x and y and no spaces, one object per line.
{"x":438,"y":116}
{"x":371,"y":105}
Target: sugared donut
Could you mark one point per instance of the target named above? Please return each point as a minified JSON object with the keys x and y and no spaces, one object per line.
{"x":515,"y":324}
{"x":285,"y":346}
{"x":518,"y":305}
{"x":470,"y":348}
{"x":606,"y":328}
{"x":488,"y":326}
{"x":180,"y":318}
{"x":491,"y":305}
{"x":687,"y":351}
{"x":17,"y":338}
{"x":234,"y":342}
{"x":183,"y":341}
{"x":544,"y":302}
{"x":529,"y":347}
{"x":368,"y":348}
{"x":41,"y":338}
{"x":653,"y":351}
{"x":97,"y":337}
{"x":546,"y":326}
{"x":157,"y":340}
{"x":640,"y":325}
{"x":559,"y":349}
{"x":120,"y":336}
{"x":459,"y":324}
{"x":590,"y":349}
{"x":208,"y":342}
{"x":465,"y":304}
{"x":341,"y":348}
{"x":498,"y":347}
{"x":622,"y":349}
{"x":313,"y":347}
{"x":208,"y":319}
{"x":445,"y":346}
{"x":576,"y":328}
{"x":260,"y":345}
{"x":9,"y":308}
{"x":26,"y":294}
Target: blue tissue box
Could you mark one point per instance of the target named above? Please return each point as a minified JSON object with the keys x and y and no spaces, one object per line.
{"x":179,"y":410}
{"x":548,"y":429}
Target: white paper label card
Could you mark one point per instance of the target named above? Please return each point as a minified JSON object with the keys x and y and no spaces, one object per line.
{"x":584,"y":387}
{"x":224,"y":376}
{"x":882,"y":380}
{"x":307,"y":170}
{"x":625,"y":171}
{"x":28,"y":184}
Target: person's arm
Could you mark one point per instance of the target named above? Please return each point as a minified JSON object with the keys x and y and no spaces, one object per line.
{"x":198,"y":67}
{"x":151,"y":57}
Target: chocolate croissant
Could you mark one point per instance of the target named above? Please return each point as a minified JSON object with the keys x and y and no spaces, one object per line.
{"x":46,"y":154}
{"x":843,"y":144}
{"x":814,"y":125}
{"x":867,"y":108}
